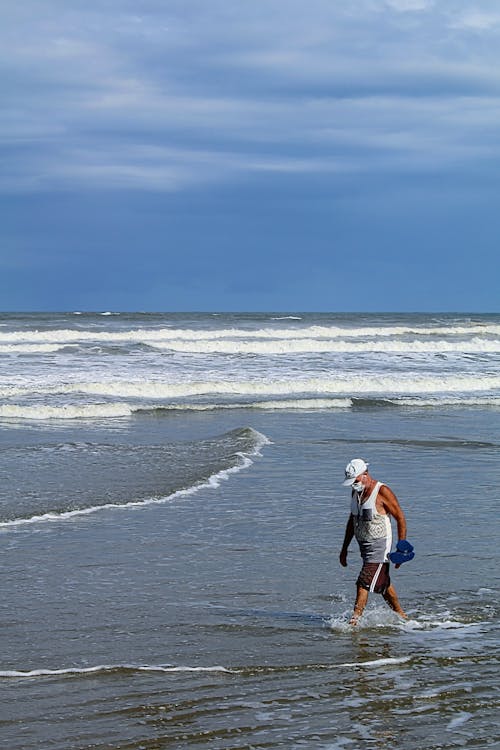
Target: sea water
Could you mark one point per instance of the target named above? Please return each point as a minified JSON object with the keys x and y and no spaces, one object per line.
{"x":171,"y":514}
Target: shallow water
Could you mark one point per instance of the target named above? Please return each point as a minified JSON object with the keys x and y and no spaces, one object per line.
{"x":171,"y":579}
{"x":220,"y":617}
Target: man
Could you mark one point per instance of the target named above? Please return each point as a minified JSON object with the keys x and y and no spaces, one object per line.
{"x":372,"y":505}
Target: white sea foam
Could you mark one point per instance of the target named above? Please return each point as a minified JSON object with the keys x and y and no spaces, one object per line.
{"x":377,"y":662}
{"x":351,"y":384}
{"x":382,"y":617}
{"x":345,"y":386}
{"x":378,"y":617}
{"x":103,"y":668}
{"x":210,"y":335}
{"x":123,"y":409}
{"x":305,"y":403}
{"x":30,"y":348}
{"x":427,"y":624}
{"x":81,"y":411}
{"x":305,"y":346}
{"x":412,"y":389}
{"x":448,"y":401}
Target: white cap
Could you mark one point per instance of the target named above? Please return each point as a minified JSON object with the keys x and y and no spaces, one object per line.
{"x":353,"y":469}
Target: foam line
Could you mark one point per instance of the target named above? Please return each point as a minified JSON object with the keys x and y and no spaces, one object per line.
{"x":14,"y":673}
{"x":378,"y":662}
{"x":212,"y":482}
{"x":106,"y":668}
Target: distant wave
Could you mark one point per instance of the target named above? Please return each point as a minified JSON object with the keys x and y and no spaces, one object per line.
{"x":251,"y":345}
{"x":315,"y":332}
{"x":74,"y":411}
{"x":30,"y":348}
{"x":300,"y":403}
{"x":123,"y":409}
{"x":348,"y":386}
{"x":305,"y":346}
{"x":358,"y":389}
{"x":448,"y":401}
{"x":106,"y":371}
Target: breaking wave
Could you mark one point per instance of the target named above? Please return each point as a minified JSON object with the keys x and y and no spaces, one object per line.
{"x":315,"y":332}
{"x":231,"y":453}
{"x":347,"y":386}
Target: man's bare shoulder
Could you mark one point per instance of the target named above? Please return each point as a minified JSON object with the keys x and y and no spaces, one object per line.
{"x":385,"y":491}
{"x":387,"y":497}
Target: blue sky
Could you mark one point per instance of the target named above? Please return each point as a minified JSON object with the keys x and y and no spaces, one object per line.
{"x":250,"y":155}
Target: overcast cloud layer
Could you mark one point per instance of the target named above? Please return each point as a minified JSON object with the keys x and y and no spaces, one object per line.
{"x":187,"y":97}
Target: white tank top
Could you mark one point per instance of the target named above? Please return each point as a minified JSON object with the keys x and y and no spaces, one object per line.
{"x":372,"y":530}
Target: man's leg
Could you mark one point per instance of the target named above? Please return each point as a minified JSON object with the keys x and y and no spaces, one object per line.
{"x":359,"y":605}
{"x":392,"y":600}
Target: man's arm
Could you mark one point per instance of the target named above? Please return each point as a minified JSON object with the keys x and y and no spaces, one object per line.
{"x":391,"y":505}
{"x":349,"y":533}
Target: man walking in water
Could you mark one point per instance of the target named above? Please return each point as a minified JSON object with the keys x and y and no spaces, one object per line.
{"x":372,"y":505}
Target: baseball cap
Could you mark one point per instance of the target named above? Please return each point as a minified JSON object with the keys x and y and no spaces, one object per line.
{"x":353,"y":469}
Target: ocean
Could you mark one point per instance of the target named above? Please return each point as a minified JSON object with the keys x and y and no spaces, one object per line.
{"x":171,"y":516}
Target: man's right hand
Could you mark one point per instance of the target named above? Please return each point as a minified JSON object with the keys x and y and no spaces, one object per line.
{"x":343,"y":558}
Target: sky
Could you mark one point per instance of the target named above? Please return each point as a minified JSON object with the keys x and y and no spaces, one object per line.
{"x":251,"y":155}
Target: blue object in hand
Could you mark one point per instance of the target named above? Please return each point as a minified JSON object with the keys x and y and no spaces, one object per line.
{"x":403,"y":552}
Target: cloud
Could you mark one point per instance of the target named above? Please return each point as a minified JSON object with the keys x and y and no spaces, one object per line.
{"x":405,"y":6}
{"x":477,"y":20}
{"x":166,"y":96}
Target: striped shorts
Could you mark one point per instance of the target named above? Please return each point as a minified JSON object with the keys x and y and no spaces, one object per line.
{"x":374,"y":577}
